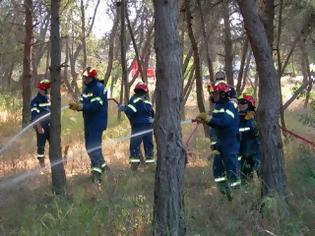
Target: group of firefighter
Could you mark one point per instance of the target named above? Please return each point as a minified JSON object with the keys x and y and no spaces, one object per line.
{"x":233,"y":132}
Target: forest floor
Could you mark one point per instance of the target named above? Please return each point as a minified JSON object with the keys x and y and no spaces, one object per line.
{"x":123,"y":205}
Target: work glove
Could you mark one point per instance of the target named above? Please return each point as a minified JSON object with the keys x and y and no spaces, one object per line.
{"x":40,"y":129}
{"x":204,"y":117}
{"x":76,"y":106}
{"x":250,"y":115}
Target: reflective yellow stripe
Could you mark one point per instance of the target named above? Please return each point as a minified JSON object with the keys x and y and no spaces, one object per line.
{"x":244,"y":129}
{"x":44,"y":104}
{"x":81,"y":99}
{"x":235,"y":183}
{"x":213,"y":143}
{"x":220,"y":179}
{"x":218,"y":111}
{"x":96,"y":169}
{"x":87,"y":95}
{"x":147,"y":102}
{"x":239,"y":158}
{"x":149,"y":161}
{"x":230,"y":113}
{"x":35,"y":109}
{"x":234,"y":104}
{"x":40,"y":155}
{"x":137,"y":100}
{"x":132,"y":108}
{"x":133,"y":160}
{"x":97,"y":99}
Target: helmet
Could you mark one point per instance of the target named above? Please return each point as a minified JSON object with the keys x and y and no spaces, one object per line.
{"x":43,"y":84}
{"x":250,"y":99}
{"x":90,"y":72}
{"x":220,"y":75}
{"x":221,"y":87}
{"x":141,"y":86}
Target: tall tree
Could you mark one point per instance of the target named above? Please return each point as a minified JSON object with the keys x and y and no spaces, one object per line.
{"x":57,"y":168}
{"x":228,"y":50}
{"x":27,"y":75}
{"x":168,"y":216}
{"x":273,"y":177}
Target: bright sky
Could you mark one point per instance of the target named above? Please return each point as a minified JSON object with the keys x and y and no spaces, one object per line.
{"x":102,"y":23}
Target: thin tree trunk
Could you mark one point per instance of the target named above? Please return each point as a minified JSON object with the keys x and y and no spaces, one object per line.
{"x":27,"y":75}
{"x":295,"y":95}
{"x":57,"y":170}
{"x":65,"y":74}
{"x":135,"y":47}
{"x":198,"y":75}
{"x":228,"y":50}
{"x":242,"y":66}
{"x":247,"y":67}
{"x":168,"y":214}
{"x":123,"y":51}
{"x":273,"y":174}
{"x":83,"y":34}
{"x":205,"y":38}
{"x":111,"y":49}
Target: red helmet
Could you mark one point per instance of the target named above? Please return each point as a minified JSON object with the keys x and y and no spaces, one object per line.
{"x":248,"y":98}
{"x":90,"y":72}
{"x":43,"y":84}
{"x":221,"y":87}
{"x":141,"y":86}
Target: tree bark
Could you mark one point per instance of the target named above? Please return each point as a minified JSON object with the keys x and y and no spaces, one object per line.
{"x":111,"y":49}
{"x":273,"y":174}
{"x":168,"y":215}
{"x":123,"y":51}
{"x":135,"y":47}
{"x":83,"y":34}
{"x":205,"y":38}
{"x":194,"y":45}
{"x":242,"y":66}
{"x":27,"y":75}
{"x":228,"y":50}
{"x":57,"y":169}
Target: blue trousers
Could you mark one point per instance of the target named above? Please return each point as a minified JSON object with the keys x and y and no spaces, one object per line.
{"x":249,"y":164}
{"x":135,"y":142}
{"x":93,"y":145}
{"x":226,"y":170}
{"x":41,"y":142}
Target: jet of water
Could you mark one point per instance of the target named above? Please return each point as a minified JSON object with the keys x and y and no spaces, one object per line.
{"x":16,"y":179}
{"x":26,"y":129}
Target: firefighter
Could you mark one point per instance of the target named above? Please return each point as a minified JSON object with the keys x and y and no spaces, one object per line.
{"x":140,"y":114}
{"x":250,"y":156}
{"x":219,"y":77}
{"x":40,"y":106}
{"x":225,"y":121}
{"x":94,"y":106}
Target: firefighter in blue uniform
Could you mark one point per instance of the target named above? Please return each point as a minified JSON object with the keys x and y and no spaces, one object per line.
{"x":250,"y":156}
{"x":94,"y":105}
{"x":40,"y":106}
{"x":218,"y":78}
{"x":140,"y":114}
{"x":225,"y":121}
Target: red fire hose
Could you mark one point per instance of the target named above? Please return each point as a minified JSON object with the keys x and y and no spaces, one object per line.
{"x":298,"y":136}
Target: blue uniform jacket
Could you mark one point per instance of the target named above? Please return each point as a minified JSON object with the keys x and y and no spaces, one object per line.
{"x":139,"y":111}
{"x":225,"y":121}
{"x":95,"y":106}
{"x":249,"y":135}
{"x":40,"y":106}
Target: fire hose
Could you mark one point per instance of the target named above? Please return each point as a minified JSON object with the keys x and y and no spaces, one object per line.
{"x":298,"y":136}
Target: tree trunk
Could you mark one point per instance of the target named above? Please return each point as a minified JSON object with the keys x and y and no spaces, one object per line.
{"x":65,"y":77}
{"x":57,"y":170}
{"x":83,"y":34}
{"x":247,"y":68}
{"x":205,"y":38}
{"x":198,"y":75}
{"x":273,"y":174}
{"x":135,"y":47}
{"x":123,"y":51}
{"x":168,"y":215}
{"x":27,"y":75}
{"x":242,"y":66}
{"x":228,"y":50}
{"x":111,"y":49}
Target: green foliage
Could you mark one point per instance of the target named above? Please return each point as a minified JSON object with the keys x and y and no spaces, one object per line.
{"x":308,"y":119}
